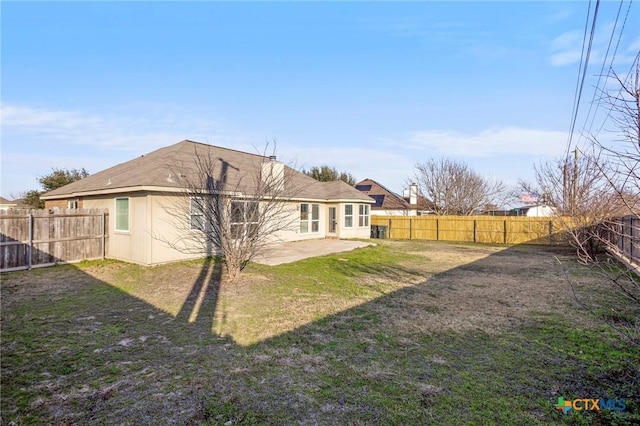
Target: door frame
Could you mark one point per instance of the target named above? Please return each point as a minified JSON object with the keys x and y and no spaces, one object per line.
{"x":332,"y":222}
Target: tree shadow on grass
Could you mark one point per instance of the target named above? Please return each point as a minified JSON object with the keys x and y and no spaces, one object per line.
{"x":79,"y":351}
{"x":199,"y":308}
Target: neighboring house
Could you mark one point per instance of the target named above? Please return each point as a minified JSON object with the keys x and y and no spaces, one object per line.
{"x":540,"y":210}
{"x":138,"y":195}
{"x":6,"y":204}
{"x":388,"y":203}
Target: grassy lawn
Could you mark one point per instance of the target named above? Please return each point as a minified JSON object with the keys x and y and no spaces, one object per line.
{"x":401,"y":333}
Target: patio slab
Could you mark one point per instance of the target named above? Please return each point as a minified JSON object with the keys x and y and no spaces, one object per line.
{"x":279,"y":254}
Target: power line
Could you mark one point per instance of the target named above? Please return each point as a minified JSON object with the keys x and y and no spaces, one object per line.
{"x":604,"y":63}
{"x":615,"y":51}
{"x":581,"y":79}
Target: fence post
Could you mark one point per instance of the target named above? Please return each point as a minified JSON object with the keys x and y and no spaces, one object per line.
{"x":475,"y":230}
{"x":30,"y":246}
{"x":504,"y":223}
{"x":437,"y":229}
{"x":103,"y":227}
{"x":410,"y":228}
{"x":551,"y":232}
{"x":389,"y":232}
{"x":622,"y":235}
{"x":631,"y":234}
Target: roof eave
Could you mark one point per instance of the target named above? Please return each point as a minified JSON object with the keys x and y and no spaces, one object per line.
{"x":107,"y":191}
{"x":168,"y":189}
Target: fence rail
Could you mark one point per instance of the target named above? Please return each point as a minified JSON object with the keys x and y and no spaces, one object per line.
{"x":38,"y":238}
{"x":477,"y":229}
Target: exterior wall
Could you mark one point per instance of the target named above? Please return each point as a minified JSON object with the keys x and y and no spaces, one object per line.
{"x":342,"y":231}
{"x":540,"y":211}
{"x":354,"y":231}
{"x":131,"y":246}
{"x":292,"y":220}
{"x":158,"y":223}
{"x":63,"y":204}
{"x":171,"y":237}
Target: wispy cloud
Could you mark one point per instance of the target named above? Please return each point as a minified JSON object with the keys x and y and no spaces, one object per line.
{"x":489,"y":142}
{"x":112,"y":132}
{"x":566,"y":49}
{"x":37,"y":139}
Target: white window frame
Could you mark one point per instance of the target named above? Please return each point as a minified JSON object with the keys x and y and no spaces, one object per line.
{"x":348,"y":217}
{"x":245,"y":224}
{"x":115,"y":216}
{"x":363,"y":215}
{"x":196,"y":212}
{"x":315,"y":218}
{"x":72,"y":204}
{"x":311,"y":222}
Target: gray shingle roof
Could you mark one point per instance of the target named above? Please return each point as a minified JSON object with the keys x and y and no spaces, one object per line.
{"x":165,"y":168}
{"x":389,"y":200}
{"x":385,"y":199}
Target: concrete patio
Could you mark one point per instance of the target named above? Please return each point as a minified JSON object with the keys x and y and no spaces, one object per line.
{"x":279,"y":254}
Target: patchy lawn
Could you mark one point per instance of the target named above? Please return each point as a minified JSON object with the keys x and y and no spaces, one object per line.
{"x":401,"y":333}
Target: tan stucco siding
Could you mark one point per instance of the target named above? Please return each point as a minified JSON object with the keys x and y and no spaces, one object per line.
{"x":294,"y":231}
{"x":159,"y":227}
{"x":132,"y":245}
{"x":355,"y":230}
{"x":171,"y":237}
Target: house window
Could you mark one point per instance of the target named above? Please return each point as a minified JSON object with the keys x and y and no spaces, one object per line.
{"x":197,"y":213}
{"x":245,"y":216}
{"x":304,"y":218}
{"x":363,"y":215}
{"x":122,"y":214}
{"x":348,"y":216}
{"x":309,"y":218}
{"x":315,"y":217}
{"x":72,"y":204}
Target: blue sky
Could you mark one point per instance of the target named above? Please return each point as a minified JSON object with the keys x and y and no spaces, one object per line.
{"x":367,"y":87}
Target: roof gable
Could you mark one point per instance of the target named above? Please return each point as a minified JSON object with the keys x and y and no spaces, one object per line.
{"x":384,"y":198}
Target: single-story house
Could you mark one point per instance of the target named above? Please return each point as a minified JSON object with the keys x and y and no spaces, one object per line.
{"x":140,"y":194}
{"x":388,"y":203}
{"x":7,"y":205}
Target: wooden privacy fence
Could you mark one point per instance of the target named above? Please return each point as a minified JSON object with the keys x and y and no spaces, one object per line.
{"x":476,"y":229}
{"x":38,"y":238}
{"x":625,"y":236}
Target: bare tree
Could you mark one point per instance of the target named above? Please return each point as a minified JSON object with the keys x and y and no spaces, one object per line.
{"x":455,"y":189}
{"x":597,"y":193}
{"x":230,"y":210}
{"x":584,"y":200}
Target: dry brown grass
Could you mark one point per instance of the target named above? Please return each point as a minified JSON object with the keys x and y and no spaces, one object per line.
{"x":484,"y":288}
{"x":361,"y":338}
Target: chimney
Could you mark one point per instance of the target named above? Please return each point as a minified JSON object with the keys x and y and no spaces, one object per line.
{"x":413,"y":194}
{"x":273,"y":173}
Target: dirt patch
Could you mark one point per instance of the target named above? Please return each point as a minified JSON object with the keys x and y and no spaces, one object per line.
{"x":482,"y":288}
